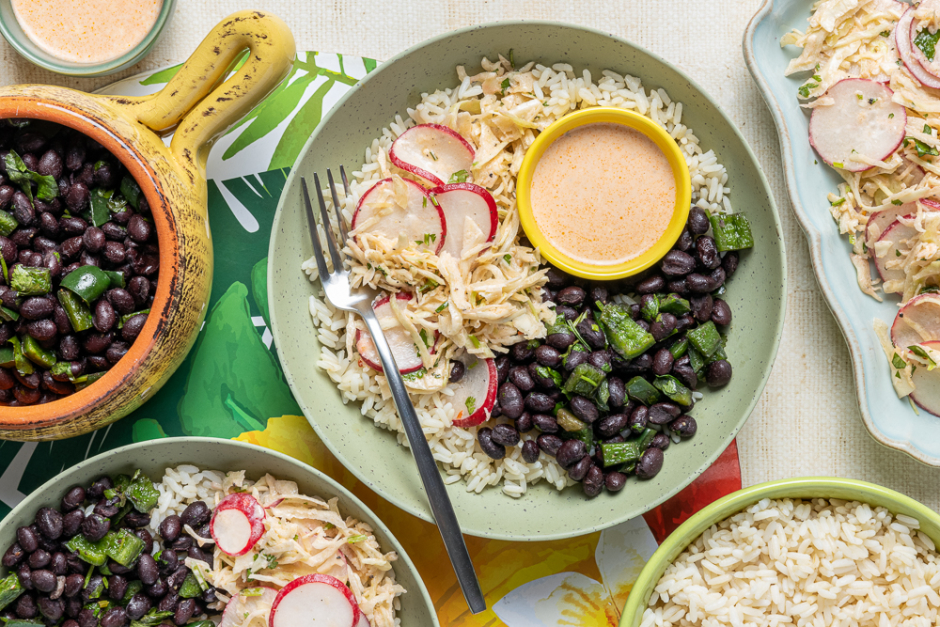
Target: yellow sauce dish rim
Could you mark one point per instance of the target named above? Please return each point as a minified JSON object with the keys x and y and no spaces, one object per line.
{"x":663,"y":141}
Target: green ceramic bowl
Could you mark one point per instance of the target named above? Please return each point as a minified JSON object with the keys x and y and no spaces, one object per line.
{"x":154,"y":456}
{"x":756,"y":293}
{"x":13,"y":33}
{"x":802,"y":488}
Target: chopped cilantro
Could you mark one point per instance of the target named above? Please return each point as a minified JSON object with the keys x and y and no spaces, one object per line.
{"x":920,"y":352}
{"x":433,"y":156}
{"x":504,"y":86}
{"x":817,"y":78}
{"x":356,"y":538}
{"x":896,"y":202}
{"x":424,"y":337}
{"x":927,"y":129}
{"x":885,"y":33}
{"x":922,"y":149}
{"x":804,"y":90}
{"x":471,"y":404}
{"x":859,"y":96}
{"x":897,"y":253}
{"x":836,"y":203}
{"x":890,"y":115}
{"x":837,"y":164}
{"x":424,"y":201}
{"x":460,"y":176}
{"x":474,"y":341}
{"x":898,"y":362}
{"x":927,"y":43}
{"x":507,"y":258}
{"x":442,"y":307}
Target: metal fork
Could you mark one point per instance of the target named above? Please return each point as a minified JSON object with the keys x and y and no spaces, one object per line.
{"x":337,"y":286}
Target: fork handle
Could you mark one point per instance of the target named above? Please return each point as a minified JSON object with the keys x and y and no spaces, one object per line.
{"x":441,"y":507}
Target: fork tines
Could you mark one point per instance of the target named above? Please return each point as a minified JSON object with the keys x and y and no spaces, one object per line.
{"x":336,"y":255}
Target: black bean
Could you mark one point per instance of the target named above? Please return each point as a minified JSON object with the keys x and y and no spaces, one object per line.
{"x":139,"y":229}
{"x":96,"y":489}
{"x":23,"y":236}
{"x":702,"y":307}
{"x":639,"y":418}
{"x":598,"y":294}
{"x":117,"y":587}
{"x":570,"y":453}
{"x":175,"y":580}
{"x":182,"y":543}
{"x":78,"y":197}
{"x":592,"y":334}
{"x":118,"y":569}
{"x":87,"y":618}
{"x":88,"y":259}
{"x":544,"y":382}
{"x":562,"y":340}
{"x":72,"y":609}
{"x":651,"y":285}
{"x":524,"y":422}
{"x":74,"y":584}
{"x":198,"y":554}
{"x":662,"y":362}
{"x":42,"y":330}
{"x":133,"y":327}
{"x":718,"y":373}
{"x":30,"y":381}
{"x":717,"y":278}
{"x":146,"y":538}
{"x":50,"y":164}
{"x":94,"y":239}
{"x":72,"y":522}
{"x":530,"y":451}
{"x":184,"y":611}
{"x":572,"y":296}
{"x":96,"y":343}
{"x":503,"y":364}
{"x":660,"y":441}
{"x":663,"y":413}
{"x":157,"y":590}
{"x":123,"y":303}
{"x":505,"y":434}
{"x":683,"y":426}
{"x":683,"y":371}
{"x":27,"y":539}
{"x":535,"y":402}
{"x":600,"y":359}
{"x":6,"y":195}
{"x":30,"y":141}
{"x":491,"y":448}
{"x":685,"y":241}
{"x":26,"y":607}
{"x":170,"y":561}
{"x":135,"y":519}
{"x":698,"y":221}
{"x":593,"y":481}
{"x":14,"y":555}
{"x":575,"y":359}
{"x":545,"y":423}
{"x":104,"y":316}
{"x":557,"y":279}
{"x":699,"y":283}
{"x":139,"y":605}
{"x":51,"y":609}
{"x":584,"y":408}
{"x":7,"y":380}
{"x":521,"y":352}
{"x":579,"y":469}
{"x":611,"y":425}
{"x":680,"y":287}
{"x":730,"y":263}
{"x":677,"y":263}
{"x":651,"y":462}
{"x":49,"y":522}
{"x":26,"y":396}
{"x":115,"y":617}
{"x":170,"y":527}
{"x":721,"y":313}
{"x":106,"y":175}
{"x":550,"y":443}
{"x":94,"y":527}
{"x":43,"y":580}
{"x":73,"y":498}
{"x":707,"y":252}
{"x":663,"y":326}
{"x":85,"y":176}
{"x":23,"y":210}
{"x":615,"y":481}
{"x":510,"y":400}
{"x":457,"y":368}
{"x":195,"y":514}
{"x":39,"y":559}
{"x":547,"y":356}
{"x":209,"y":596}
{"x":25,"y":575}
{"x":108,"y":507}
{"x":520,"y":377}
{"x":566,"y":312}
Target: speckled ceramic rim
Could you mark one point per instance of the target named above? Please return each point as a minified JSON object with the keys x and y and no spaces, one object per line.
{"x":63,"y":479}
{"x":814,"y":238}
{"x":609,"y":115}
{"x":294,"y":379}
{"x":805,"y":488}
{"x":16,"y":37}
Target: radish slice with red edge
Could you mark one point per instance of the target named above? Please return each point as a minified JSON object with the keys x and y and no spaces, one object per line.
{"x":917,"y":321}
{"x":315,"y":601}
{"x":475,"y":394}
{"x":413,"y":217}
{"x":862,"y":120}
{"x":879,"y":221}
{"x":894,"y":234}
{"x":461,"y":202}
{"x":432,"y":151}
{"x":399,"y":340}
{"x":902,"y":39}
{"x":926,"y":392}
{"x":931,"y":66}
{"x":248,"y":601}
{"x":237,"y":524}
{"x":363,"y":621}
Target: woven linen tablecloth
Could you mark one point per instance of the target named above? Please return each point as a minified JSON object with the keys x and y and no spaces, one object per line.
{"x":806,"y":422}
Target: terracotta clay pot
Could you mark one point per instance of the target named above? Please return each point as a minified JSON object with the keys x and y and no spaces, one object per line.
{"x":200,"y":106}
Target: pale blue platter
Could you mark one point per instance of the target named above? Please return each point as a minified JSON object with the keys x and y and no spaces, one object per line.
{"x":891,"y":421}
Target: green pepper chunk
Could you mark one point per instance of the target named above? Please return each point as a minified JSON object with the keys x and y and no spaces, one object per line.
{"x":718,"y":354}
{"x":201,"y":623}
{"x":626,"y":337}
{"x":586,"y":435}
{"x":92,"y":552}
{"x":695,"y":359}
{"x":645,"y":438}
{"x":84,"y":381}
{"x":642,"y":391}
{"x":18,"y":173}
{"x":679,"y":348}
{"x":77,"y":310}
{"x":7,"y":357}
{"x":131,"y":191}
{"x":156,"y":617}
{"x":116,"y":278}
{"x":675,"y":304}
{"x":602,"y":395}
{"x":127,"y":317}
{"x":675,"y":391}
{"x":23,"y":365}
{"x":584,"y":379}
{"x":31,"y":281}
{"x":99,"y":213}
{"x":190,"y":587}
{"x":543,"y":371}
{"x":35,"y":353}
{"x":732,"y":232}
{"x":123,"y":547}
{"x":8,"y":223}
{"x":10,"y":589}
{"x":8,"y":315}
{"x":142,"y":495}
{"x":62,"y":369}
{"x":86,"y":282}
{"x":705,"y":338}
{"x":22,"y":622}
{"x":568,"y":421}
{"x":650,"y":308}
{"x":618,"y":453}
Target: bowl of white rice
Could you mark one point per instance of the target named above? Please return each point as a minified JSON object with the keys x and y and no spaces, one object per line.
{"x":809,"y":551}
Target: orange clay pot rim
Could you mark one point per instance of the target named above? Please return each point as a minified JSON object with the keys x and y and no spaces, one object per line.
{"x":83,"y":401}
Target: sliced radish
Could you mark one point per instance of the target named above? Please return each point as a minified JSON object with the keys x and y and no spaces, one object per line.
{"x":475,"y":394}
{"x":862,"y":120}
{"x":336,"y":567}
{"x":257,"y":600}
{"x":315,"y":601}
{"x":237,"y":524}
{"x":403,"y":212}
{"x":363,"y":621}
{"x":461,"y":202}
{"x":927,"y":384}
{"x":399,"y":340}
{"x":902,"y":39}
{"x":918,"y":321}
{"x":433,"y":152}
{"x":895,"y":234}
{"x":879,"y":221}
{"x":931,"y":66}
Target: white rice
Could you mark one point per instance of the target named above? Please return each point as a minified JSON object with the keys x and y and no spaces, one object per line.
{"x":808,"y":563}
{"x":455,"y":448}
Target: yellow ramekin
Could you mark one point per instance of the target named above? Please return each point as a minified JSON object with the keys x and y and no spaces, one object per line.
{"x":610,"y":115}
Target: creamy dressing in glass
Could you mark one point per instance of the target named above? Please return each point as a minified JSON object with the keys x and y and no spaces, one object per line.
{"x":86,"y":31}
{"x":603,"y":193}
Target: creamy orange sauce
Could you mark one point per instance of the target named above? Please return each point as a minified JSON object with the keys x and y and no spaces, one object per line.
{"x":603,"y":193}
{"x":86,"y":31}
